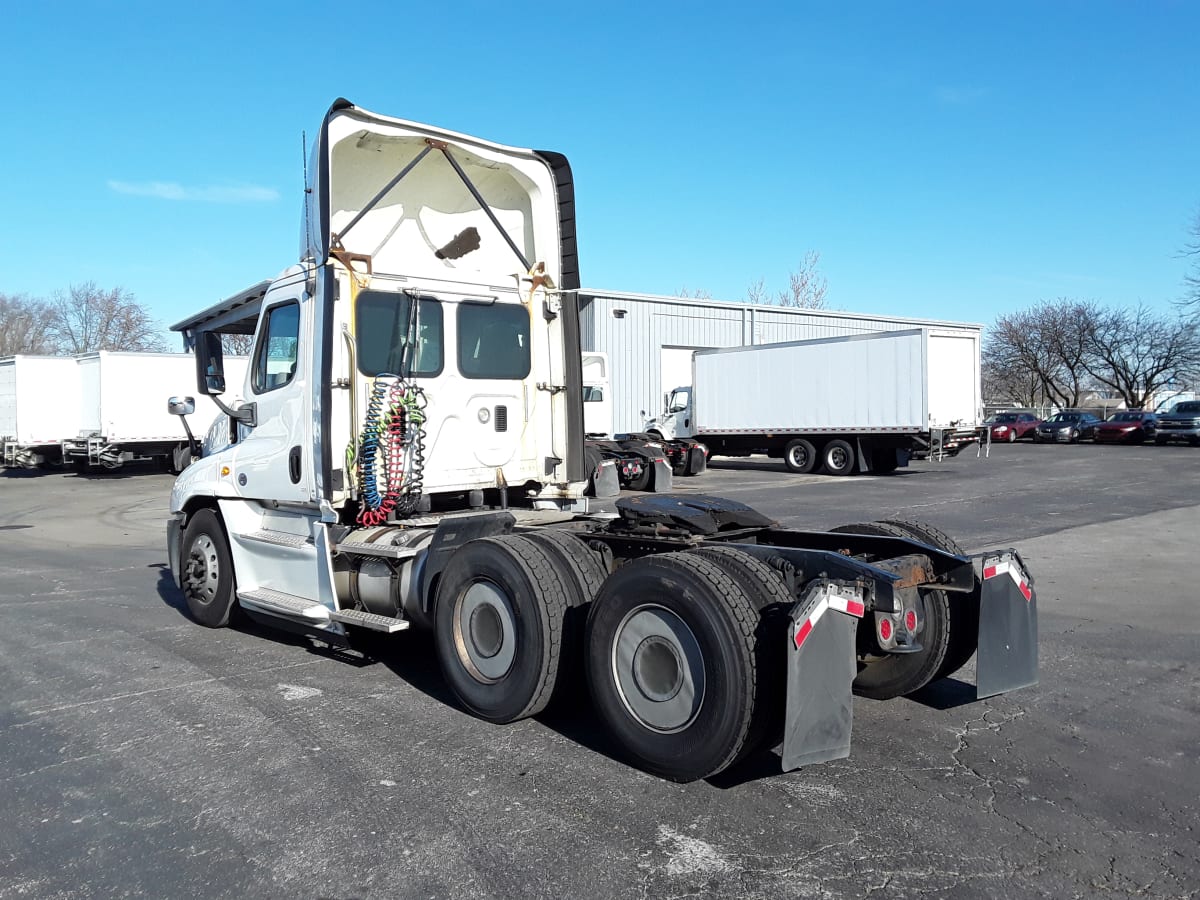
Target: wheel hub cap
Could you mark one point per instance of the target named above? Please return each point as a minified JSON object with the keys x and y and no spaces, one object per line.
{"x":659,"y":669}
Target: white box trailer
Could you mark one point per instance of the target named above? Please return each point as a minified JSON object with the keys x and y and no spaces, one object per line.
{"x":852,"y":403}
{"x":123,"y":413}
{"x":39,"y":403}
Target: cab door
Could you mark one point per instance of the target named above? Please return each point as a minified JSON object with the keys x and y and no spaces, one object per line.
{"x":273,"y":459}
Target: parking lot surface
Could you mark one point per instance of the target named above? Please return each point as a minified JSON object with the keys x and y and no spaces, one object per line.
{"x":144,"y":755}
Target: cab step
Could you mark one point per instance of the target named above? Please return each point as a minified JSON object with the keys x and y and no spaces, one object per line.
{"x":372,"y":621}
{"x":282,"y":604}
{"x":278,"y":538}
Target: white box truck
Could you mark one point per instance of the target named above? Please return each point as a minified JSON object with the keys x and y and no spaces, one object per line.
{"x":122,"y":417}
{"x":409,"y":457}
{"x":39,"y":403}
{"x":858,"y":403}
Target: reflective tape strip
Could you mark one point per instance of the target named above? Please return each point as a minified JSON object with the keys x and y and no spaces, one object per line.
{"x":1006,"y":567}
{"x":844,"y":604}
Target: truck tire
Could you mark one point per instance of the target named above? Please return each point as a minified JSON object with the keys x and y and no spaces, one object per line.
{"x":583,"y":571}
{"x":498,"y":627}
{"x":591,"y":460}
{"x":800,"y":456}
{"x":642,"y":482}
{"x":209,"y":584}
{"x":672,"y":664}
{"x":894,"y":675}
{"x":964,"y":608}
{"x":838,"y":457}
{"x":770,"y":596}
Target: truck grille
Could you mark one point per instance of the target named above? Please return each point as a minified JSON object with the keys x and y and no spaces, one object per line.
{"x":501,"y":418}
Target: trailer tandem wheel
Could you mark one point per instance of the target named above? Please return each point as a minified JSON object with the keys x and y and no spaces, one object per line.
{"x":498,"y":627}
{"x":896,"y":674}
{"x":672,"y":664}
{"x":800,"y":456}
{"x":838,"y":457}
{"x":964,"y":608}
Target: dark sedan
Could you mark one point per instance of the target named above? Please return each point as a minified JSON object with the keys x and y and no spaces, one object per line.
{"x":1067,"y":427}
{"x":1129,"y":427}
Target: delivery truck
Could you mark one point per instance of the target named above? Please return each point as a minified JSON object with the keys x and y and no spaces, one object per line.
{"x":121,"y":418}
{"x":855,"y":403}
{"x":408,"y":456}
{"x":39,"y":404}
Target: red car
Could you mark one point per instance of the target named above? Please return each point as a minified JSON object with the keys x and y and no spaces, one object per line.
{"x":1014,"y":426}
{"x":1131,"y":426}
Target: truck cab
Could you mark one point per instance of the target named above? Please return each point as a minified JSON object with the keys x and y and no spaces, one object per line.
{"x":676,"y":418}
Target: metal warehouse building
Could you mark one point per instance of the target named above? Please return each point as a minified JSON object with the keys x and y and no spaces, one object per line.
{"x":649,"y":339}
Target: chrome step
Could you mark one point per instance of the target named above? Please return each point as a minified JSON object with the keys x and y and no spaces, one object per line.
{"x":285,"y":604}
{"x":278,"y":538}
{"x":383,"y":550}
{"x":372,"y":621}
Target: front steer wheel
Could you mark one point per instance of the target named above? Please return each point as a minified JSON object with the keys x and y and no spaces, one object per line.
{"x":672,"y":662}
{"x":208,"y":580}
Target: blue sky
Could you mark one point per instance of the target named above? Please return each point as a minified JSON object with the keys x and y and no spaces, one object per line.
{"x":947,"y":160}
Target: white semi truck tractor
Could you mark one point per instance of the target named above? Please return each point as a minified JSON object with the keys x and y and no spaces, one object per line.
{"x":408,"y":456}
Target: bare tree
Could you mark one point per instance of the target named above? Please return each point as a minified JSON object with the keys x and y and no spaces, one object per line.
{"x":698,"y":294}
{"x":1191,"y":280}
{"x":806,"y":285}
{"x":86,"y":318}
{"x":25,"y":325}
{"x":237,"y":344}
{"x":1049,"y":342}
{"x":757,"y":294}
{"x":1137,"y":352}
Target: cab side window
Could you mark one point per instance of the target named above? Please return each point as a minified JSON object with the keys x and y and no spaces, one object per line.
{"x":278,"y":348}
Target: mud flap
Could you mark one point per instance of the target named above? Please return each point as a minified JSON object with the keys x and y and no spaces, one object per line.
{"x":697,"y":462}
{"x":661,"y":480}
{"x":820,"y":670}
{"x":605,"y":483}
{"x":1008,"y":654}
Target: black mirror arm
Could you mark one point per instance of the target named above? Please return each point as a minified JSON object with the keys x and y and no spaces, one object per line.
{"x":246,"y":413}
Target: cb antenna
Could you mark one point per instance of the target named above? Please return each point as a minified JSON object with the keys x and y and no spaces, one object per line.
{"x":307,"y":188}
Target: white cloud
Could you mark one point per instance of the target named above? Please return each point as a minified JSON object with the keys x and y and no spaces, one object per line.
{"x":170,"y":190}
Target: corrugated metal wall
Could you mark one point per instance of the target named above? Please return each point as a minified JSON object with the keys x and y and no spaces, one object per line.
{"x":634,"y":329}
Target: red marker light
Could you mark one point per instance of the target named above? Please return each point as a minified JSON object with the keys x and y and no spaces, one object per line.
{"x":885,"y":629}
{"x":910,"y":620}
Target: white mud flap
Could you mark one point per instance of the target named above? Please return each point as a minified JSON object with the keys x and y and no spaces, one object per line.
{"x":821,"y":668}
{"x":1008,"y":654}
{"x":661,"y":479}
{"x":606,"y":484}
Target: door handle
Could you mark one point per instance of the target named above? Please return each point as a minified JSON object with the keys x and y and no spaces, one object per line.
{"x":294,"y":465}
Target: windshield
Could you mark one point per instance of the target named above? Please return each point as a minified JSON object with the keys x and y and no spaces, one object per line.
{"x":1064,"y":417}
{"x":1187,"y":408}
{"x":1007,"y":417}
{"x":1126,"y":417}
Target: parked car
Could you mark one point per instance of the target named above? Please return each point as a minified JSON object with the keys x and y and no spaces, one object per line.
{"x":1067,"y":427}
{"x":1013,"y":426}
{"x":1131,"y":426}
{"x":1182,"y":423}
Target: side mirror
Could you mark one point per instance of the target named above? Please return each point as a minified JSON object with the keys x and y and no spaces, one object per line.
{"x":210,"y":364}
{"x":185,"y":406}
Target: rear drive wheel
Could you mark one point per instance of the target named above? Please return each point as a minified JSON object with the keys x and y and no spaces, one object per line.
{"x":208,"y":580}
{"x":641,"y":481}
{"x":838,"y":457}
{"x":499,"y":625}
{"x":800,"y":456}
{"x":672,"y":664}
{"x":964,"y":608}
{"x":896,"y":674}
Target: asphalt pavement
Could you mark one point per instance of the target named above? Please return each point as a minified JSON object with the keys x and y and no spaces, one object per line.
{"x":144,"y":755}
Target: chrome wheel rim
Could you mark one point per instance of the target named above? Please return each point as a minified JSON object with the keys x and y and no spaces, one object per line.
{"x":658,"y":669}
{"x":203,"y":570}
{"x":485,"y":632}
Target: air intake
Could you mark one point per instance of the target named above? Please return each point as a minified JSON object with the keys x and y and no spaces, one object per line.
{"x":501,"y":418}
